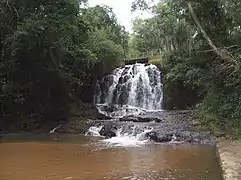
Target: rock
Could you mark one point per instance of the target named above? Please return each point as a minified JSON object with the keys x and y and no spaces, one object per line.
{"x":107,"y":110}
{"x":129,"y":118}
{"x":115,"y":97}
{"x":140,"y":119}
{"x":164,"y":138}
{"x":74,"y":127}
{"x":144,"y":119}
{"x":149,"y":119}
{"x":102,"y":117}
{"x":123,"y":99}
{"x":121,"y":80}
{"x":154,"y":136}
{"x":108,"y":81}
{"x":157,"y":120}
{"x":129,"y":86}
{"x":108,"y":131}
{"x":164,"y":132}
{"x":126,"y":78}
{"x":125,"y":71}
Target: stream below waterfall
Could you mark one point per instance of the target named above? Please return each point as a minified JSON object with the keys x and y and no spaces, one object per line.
{"x":76,"y":157}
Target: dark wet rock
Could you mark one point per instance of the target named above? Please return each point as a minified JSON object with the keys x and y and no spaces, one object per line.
{"x":134,"y":69}
{"x":149,"y":119}
{"x":125,"y":71}
{"x":104,"y":85}
{"x":173,"y":126}
{"x":129,"y":86}
{"x":103,"y":97}
{"x":115,"y":96}
{"x":185,"y":137}
{"x":108,"y":131}
{"x":101,"y":116}
{"x":152,"y":136}
{"x":108,"y":81}
{"x":118,"y":87}
{"x":141,"y":118}
{"x":126,"y":78}
{"x":123,"y":99}
{"x":129,"y":118}
{"x":107,"y":109}
{"x":121,"y":80}
{"x":75,"y":126}
{"x":160,"y":138}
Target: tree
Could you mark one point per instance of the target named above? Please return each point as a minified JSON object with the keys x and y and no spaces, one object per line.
{"x":49,"y":50}
{"x":205,"y":60}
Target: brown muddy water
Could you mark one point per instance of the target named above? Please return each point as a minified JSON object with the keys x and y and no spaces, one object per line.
{"x":76,"y":157}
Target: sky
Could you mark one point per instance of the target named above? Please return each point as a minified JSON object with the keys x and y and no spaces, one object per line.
{"x":122,"y":9}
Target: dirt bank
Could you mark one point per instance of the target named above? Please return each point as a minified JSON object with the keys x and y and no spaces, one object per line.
{"x":230,"y":158}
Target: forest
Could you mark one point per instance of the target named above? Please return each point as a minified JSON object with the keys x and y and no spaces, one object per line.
{"x":53,"y":51}
{"x":51,"y":54}
{"x":200,"y":43}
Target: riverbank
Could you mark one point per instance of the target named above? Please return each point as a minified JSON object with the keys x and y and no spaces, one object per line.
{"x":230,"y":158}
{"x":30,"y":124}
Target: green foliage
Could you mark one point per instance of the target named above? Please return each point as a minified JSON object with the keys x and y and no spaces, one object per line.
{"x":196,"y":74}
{"x":49,"y":52}
{"x":165,"y":32}
{"x":156,"y":62}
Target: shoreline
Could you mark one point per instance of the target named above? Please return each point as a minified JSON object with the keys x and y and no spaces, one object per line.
{"x":230,"y":158}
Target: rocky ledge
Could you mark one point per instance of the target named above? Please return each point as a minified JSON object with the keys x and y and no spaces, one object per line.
{"x":164,"y":126}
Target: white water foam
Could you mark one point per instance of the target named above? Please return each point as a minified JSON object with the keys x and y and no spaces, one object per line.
{"x":123,"y":139}
{"x":121,"y":111}
{"x":94,"y":131}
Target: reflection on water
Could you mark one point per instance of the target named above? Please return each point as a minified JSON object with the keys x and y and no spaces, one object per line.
{"x":86,"y":159}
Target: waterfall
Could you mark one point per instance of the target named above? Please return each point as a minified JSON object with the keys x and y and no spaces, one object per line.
{"x":132,"y":90}
{"x":137,"y":85}
{"x":130,"y":98}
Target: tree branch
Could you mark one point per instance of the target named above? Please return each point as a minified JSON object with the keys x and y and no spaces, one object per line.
{"x":222,"y":53}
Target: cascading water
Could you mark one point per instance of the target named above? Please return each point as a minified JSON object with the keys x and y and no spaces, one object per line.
{"x":131,"y":90}
{"x":137,"y":85}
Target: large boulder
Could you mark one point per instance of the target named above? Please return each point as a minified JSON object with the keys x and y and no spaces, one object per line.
{"x":108,"y":131}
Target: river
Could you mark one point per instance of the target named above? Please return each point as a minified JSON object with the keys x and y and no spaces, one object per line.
{"x":76,"y":157}
{"x":142,"y":141}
